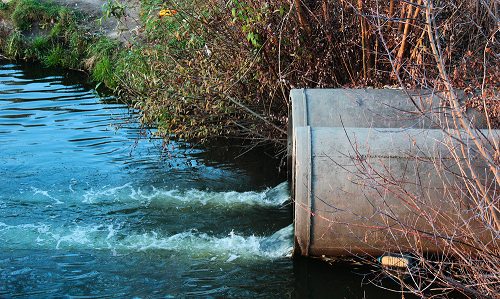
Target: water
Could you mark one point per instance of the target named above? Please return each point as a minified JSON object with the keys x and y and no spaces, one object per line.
{"x":88,"y":211}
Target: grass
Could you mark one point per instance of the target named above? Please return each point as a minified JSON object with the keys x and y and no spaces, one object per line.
{"x":58,"y":39}
{"x":26,"y":12}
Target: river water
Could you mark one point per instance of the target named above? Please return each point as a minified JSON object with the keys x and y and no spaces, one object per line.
{"x":89,"y":211}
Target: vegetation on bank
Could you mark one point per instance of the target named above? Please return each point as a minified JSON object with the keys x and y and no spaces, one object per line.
{"x":224,"y":68}
{"x":56,"y":36}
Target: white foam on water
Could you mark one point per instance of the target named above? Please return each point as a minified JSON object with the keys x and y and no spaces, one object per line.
{"x":46,"y":194}
{"x":118,"y":238}
{"x":280,"y":194}
{"x":151,"y":196}
{"x":192,"y":198}
{"x":229,"y":248}
{"x":106,"y":194}
{"x":113,"y":238}
{"x":279,"y":244}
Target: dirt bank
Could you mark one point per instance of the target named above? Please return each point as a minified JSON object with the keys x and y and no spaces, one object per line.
{"x":124,"y":29}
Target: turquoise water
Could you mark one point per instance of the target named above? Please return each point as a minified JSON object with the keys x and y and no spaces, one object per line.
{"x":89,"y":211}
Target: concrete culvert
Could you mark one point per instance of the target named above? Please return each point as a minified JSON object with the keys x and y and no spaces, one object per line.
{"x":367,"y":190}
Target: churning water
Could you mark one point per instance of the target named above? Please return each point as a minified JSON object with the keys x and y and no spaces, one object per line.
{"x":88,"y":211}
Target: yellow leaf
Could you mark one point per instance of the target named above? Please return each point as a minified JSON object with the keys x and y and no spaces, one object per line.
{"x":167,"y":12}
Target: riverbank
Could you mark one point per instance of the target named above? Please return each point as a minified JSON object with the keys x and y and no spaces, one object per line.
{"x":149,"y":55}
{"x":122,"y":29}
{"x":55,"y":35}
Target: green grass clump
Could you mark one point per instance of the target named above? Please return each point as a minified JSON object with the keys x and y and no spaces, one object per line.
{"x":101,"y":60}
{"x":26,"y":12}
{"x":60,"y":40}
{"x":14,"y":44}
{"x":54,"y":56}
